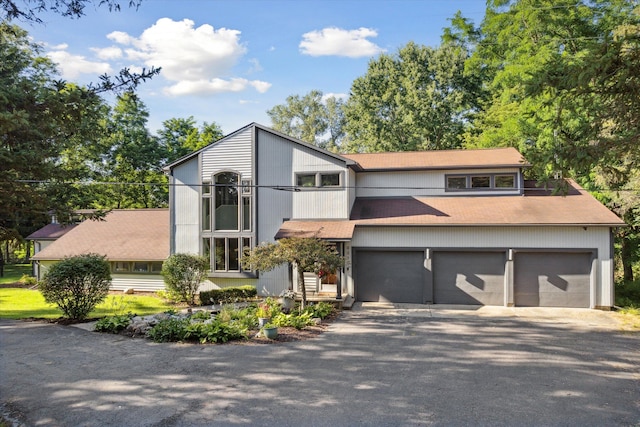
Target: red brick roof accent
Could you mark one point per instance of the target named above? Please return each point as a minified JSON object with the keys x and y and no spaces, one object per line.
{"x":123,"y":235}
{"x":439,"y":159}
{"x":51,"y":232}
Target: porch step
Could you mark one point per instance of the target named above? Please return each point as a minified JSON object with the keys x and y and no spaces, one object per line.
{"x":348,"y":302}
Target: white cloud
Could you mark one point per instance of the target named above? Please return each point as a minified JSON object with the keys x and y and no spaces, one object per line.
{"x":71,"y":66}
{"x":213,"y":86}
{"x":196,"y":60}
{"x":334,"y":41}
{"x":255,"y":66}
{"x":106,"y":53}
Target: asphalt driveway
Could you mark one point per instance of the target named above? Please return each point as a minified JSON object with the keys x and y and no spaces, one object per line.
{"x":375,"y":366}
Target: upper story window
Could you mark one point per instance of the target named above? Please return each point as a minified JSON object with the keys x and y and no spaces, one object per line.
{"x":226,"y":201}
{"x":480,"y":182}
{"x":318,"y":179}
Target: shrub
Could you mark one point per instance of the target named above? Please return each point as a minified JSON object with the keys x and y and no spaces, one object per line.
{"x":628,"y":294}
{"x":294,"y":320}
{"x":183,"y":274}
{"x":228,"y":295}
{"x":321,"y":309}
{"x":168,"y":330}
{"x":113,"y":324}
{"x":77,"y":284}
{"x":28,"y":280}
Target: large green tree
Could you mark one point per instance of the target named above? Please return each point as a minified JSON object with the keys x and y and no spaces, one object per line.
{"x":417,"y":99}
{"x":41,"y":118}
{"x":179,"y":137}
{"x":132,"y":160}
{"x":313,"y":118}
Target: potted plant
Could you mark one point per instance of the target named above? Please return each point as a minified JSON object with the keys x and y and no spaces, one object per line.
{"x":270,"y":331}
{"x":288,"y":299}
{"x":264,"y":314}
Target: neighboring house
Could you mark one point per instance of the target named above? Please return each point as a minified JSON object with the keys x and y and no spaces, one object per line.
{"x":449,"y":227}
{"x":44,"y":237}
{"x":135,"y":242}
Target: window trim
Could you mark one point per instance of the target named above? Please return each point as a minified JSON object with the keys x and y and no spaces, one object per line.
{"x":492,"y":180}
{"x":131,"y":270}
{"x":318,"y":180}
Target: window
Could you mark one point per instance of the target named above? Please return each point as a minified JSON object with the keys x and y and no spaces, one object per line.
{"x":227,"y":257}
{"x":307,"y":180}
{"x":318,"y":179}
{"x":480,"y":182}
{"x":330,"y":180}
{"x":120,"y":266}
{"x":505,"y":181}
{"x":226,"y":201}
{"x":140,"y":267}
{"x":456,"y":182}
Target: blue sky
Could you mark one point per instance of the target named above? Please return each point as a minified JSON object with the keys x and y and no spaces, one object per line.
{"x":229,"y":61}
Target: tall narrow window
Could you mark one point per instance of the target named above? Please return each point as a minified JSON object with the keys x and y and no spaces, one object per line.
{"x":206,"y":213}
{"x":246,"y":213}
{"x":226,"y":199}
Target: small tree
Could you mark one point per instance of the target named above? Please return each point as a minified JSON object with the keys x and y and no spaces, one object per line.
{"x":183,"y":274}
{"x":77,"y":284}
{"x":308,"y":254}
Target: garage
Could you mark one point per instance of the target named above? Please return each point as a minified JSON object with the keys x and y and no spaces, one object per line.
{"x":556,"y":279}
{"x":470,"y":278}
{"x":390,"y":276}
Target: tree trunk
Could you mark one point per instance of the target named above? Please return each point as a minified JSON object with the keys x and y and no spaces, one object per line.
{"x":303,"y":304}
{"x":626,"y":253}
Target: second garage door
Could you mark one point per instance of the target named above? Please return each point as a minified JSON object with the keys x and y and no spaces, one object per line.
{"x":390,"y":276}
{"x":552,"y":279}
{"x":475,"y":278}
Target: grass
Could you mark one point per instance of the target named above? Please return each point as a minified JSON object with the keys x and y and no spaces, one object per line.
{"x":13,"y":273}
{"x":18,"y":303}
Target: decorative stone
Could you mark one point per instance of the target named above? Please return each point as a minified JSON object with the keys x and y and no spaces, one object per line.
{"x":128,"y":291}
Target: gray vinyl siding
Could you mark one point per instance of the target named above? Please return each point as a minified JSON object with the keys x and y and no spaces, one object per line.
{"x":419,"y":183}
{"x":139,"y":282}
{"x":185,"y":208}
{"x":568,"y":238}
{"x":230,"y":154}
{"x":275,"y":159}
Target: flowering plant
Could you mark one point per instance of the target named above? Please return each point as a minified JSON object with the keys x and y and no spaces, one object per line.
{"x":288,"y":294}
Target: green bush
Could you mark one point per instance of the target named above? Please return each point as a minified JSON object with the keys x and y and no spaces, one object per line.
{"x":228,"y":295}
{"x":294,"y":320}
{"x":168,"y":330}
{"x":183,"y":274}
{"x":77,"y":284}
{"x":628,"y":294}
{"x":203,"y":331}
{"x":321,"y":309}
{"x":28,"y":280}
{"x":113,"y":324}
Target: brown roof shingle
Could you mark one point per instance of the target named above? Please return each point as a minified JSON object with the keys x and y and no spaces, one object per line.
{"x":51,"y":232}
{"x":577,"y":208}
{"x":439,"y":159}
{"x":123,"y":235}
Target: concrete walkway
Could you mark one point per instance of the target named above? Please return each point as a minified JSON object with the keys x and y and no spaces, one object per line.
{"x":403,"y":365}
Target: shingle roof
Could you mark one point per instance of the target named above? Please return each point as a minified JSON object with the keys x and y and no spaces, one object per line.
{"x":330,"y":230}
{"x":51,"y":232}
{"x":439,"y":159}
{"x":123,"y":235}
{"x":577,"y":208}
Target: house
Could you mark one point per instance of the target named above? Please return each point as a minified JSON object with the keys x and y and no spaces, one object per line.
{"x":443,"y":227}
{"x":135,"y":242}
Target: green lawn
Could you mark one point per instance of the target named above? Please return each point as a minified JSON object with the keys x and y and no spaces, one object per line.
{"x":13,"y":272}
{"x":17,"y":303}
